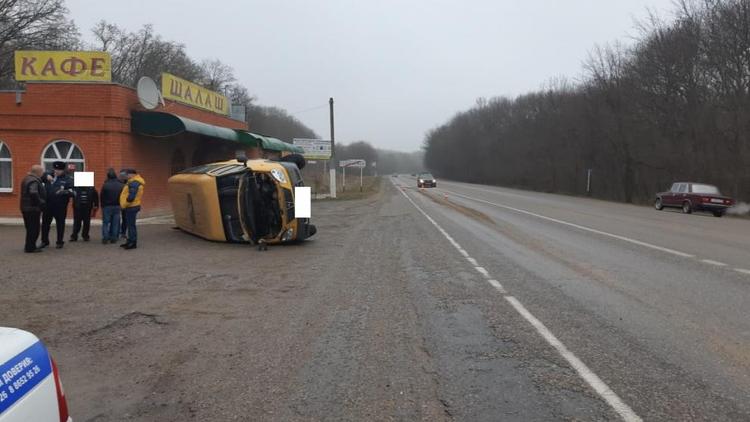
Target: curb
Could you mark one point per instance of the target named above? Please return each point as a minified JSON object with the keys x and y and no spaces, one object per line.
{"x":162,"y":219}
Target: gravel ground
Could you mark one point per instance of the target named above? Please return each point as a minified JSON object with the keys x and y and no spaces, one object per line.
{"x":182,"y":328}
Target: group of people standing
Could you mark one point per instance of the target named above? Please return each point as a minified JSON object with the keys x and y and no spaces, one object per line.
{"x":45,"y":197}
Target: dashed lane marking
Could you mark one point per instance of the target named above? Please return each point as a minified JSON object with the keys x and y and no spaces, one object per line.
{"x":625,"y":412}
{"x":596,"y":383}
{"x":496,"y":284}
{"x":712,"y":262}
{"x":483,"y":271}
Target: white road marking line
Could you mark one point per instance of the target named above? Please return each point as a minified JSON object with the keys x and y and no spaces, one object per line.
{"x":472,"y":261}
{"x":580,"y":227}
{"x":587,"y":374}
{"x":742,"y":270}
{"x":606,"y":393}
{"x":712,"y":262}
{"x":483,"y":271}
{"x":496,"y":284}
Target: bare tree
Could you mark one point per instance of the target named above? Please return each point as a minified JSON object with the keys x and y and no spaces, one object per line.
{"x":143,"y":53}
{"x":276,"y":122}
{"x":32,"y":24}
{"x":674,"y":105}
{"x":217,"y":76}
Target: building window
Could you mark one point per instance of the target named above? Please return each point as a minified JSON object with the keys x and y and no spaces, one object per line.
{"x":6,"y":169}
{"x":178,"y":161}
{"x":64,"y":151}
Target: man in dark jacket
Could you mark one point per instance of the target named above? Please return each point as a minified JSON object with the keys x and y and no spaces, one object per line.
{"x":33,"y":200}
{"x":110,"y":202}
{"x":85,"y":203}
{"x":59,"y":190}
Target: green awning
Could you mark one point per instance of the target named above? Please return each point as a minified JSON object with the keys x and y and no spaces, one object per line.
{"x":295,"y":149}
{"x":249,"y":138}
{"x":161,"y":125}
{"x":269,"y":143}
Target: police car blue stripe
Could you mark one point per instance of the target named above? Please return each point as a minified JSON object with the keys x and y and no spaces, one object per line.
{"x":21,"y":373}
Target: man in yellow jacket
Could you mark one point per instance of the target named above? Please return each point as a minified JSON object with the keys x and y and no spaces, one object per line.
{"x":130,"y":202}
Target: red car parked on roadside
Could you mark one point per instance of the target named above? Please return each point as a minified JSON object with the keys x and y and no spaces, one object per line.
{"x":694,"y":197}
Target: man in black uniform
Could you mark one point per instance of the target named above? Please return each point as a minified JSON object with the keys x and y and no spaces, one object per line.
{"x":59,"y":190}
{"x":85,"y":203}
{"x":33,"y":199}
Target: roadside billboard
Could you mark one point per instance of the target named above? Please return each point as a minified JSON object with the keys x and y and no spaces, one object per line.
{"x":315,"y":149}
{"x":192,"y":94}
{"x":63,"y":66}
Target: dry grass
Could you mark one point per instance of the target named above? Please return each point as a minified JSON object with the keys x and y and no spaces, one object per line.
{"x":371,"y":185}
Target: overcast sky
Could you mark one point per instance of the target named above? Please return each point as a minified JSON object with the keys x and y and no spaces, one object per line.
{"x":396,"y":68}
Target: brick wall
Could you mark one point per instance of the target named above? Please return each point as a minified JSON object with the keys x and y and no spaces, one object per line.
{"x":96,"y":117}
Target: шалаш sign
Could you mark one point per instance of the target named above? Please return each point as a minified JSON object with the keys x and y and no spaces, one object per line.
{"x":63,"y":66}
{"x":192,"y":94}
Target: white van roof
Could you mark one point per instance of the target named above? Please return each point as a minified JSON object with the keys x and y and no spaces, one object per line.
{"x":14,"y":341}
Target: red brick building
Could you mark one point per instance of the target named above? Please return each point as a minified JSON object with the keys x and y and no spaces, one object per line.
{"x":100,"y":125}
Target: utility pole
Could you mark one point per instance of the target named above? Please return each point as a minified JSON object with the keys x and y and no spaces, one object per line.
{"x":333,"y":151}
{"x":333,"y":141}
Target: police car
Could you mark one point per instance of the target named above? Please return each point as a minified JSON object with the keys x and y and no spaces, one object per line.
{"x":30,"y":388}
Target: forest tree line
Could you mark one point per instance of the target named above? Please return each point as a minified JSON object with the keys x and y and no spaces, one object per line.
{"x":388,"y":161}
{"x":45,"y":25}
{"x":672,"y":106}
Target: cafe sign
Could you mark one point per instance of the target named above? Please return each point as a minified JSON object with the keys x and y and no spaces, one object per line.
{"x":63,"y":66}
{"x":186,"y":92}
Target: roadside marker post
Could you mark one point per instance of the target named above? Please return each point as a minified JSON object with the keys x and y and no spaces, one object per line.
{"x":361,"y":164}
{"x":333,"y":182}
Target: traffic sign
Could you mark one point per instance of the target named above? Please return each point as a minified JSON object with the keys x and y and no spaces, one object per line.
{"x":315,"y":149}
{"x":358,"y":163}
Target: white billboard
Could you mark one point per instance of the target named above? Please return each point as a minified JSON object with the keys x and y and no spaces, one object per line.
{"x":315,"y":149}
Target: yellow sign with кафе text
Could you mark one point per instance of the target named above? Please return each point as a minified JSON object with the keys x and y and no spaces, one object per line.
{"x":63,"y":66}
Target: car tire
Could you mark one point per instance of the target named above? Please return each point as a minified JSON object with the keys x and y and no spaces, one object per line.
{"x":687,"y":208}
{"x":718,"y":214}
{"x":658,"y":204}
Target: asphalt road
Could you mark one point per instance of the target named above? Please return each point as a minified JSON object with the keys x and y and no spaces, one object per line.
{"x":467,"y":303}
{"x":654,"y":303}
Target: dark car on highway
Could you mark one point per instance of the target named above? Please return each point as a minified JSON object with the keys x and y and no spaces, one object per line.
{"x":426,"y":180}
{"x":694,"y":197}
